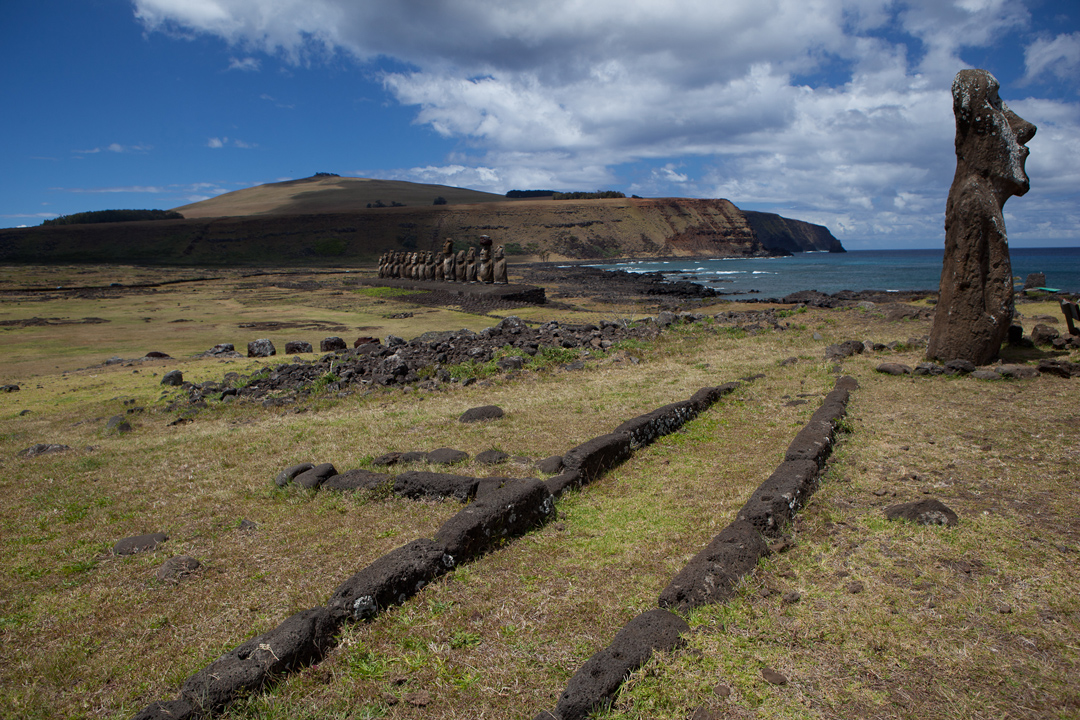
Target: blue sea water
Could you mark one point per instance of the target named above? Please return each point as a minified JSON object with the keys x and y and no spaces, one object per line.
{"x":853,"y":270}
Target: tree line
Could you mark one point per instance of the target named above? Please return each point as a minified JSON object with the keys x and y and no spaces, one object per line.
{"x":110,"y":216}
{"x":518,"y":194}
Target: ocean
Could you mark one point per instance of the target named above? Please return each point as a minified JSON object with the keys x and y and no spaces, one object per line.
{"x":853,"y":270}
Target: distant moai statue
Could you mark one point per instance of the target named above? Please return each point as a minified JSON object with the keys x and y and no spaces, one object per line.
{"x":460,"y":270}
{"x":975,"y":300}
{"x":432,"y":266}
{"x":439,"y":273}
{"x":484,"y":268}
{"x":448,"y":260}
{"x":500,"y":266}
{"x":470,"y":265}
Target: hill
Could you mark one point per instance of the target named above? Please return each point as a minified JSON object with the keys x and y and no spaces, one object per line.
{"x":326,"y":221}
{"x":329,"y":194}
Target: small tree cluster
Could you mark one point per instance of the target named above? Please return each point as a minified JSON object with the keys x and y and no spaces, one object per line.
{"x":109,"y":216}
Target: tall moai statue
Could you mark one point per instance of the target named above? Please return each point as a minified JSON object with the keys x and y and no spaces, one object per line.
{"x":460,"y":271}
{"x":975,"y":301}
{"x":448,"y":260}
{"x":427,"y":266}
{"x":484,"y":268}
{"x":470,"y":265}
{"x":500,"y":266}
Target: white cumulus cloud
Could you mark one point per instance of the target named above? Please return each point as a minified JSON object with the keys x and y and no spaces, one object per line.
{"x":837,"y":111}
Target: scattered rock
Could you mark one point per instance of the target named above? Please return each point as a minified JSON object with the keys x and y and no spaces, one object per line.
{"x":1044,"y":334}
{"x":139,"y":543}
{"x":261,"y":348}
{"x":9,"y":388}
{"x":332,"y":344}
{"x":177,"y":568}
{"x":1018,"y":372}
{"x":387,"y":459}
{"x":891,"y":368}
{"x":1060,"y":368}
{"x":550,"y":465}
{"x":722,"y":690}
{"x":222,"y":350}
{"x":510,"y":362}
{"x":929,"y":368}
{"x":773,"y":677}
{"x":844,"y":350}
{"x":353,"y":480}
{"x":118,"y":424}
{"x":446,"y":456}
{"x":286,"y":476}
{"x":247,"y":525}
{"x":959,"y":366}
{"x":925,"y":512}
{"x":985,"y":374}
{"x":491,"y":457}
{"x":314,"y":478}
{"x":484,"y":412}
{"x":792,"y":597}
{"x":296,"y":347}
{"x":173,"y":378}
{"x":43,"y":449}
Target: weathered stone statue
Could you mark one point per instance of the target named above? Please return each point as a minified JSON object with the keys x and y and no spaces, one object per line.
{"x":470,"y":265}
{"x":429,"y":265}
{"x":484,"y":269}
{"x":500,"y":266}
{"x":460,"y":273}
{"x":975,"y":303}
{"x":448,"y":260}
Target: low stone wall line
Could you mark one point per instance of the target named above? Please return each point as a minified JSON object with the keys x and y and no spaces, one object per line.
{"x":711,"y":576}
{"x":512,"y":507}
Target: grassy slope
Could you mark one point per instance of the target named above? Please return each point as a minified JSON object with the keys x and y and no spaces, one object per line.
{"x":976,"y":621}
{"x":328,"y":195}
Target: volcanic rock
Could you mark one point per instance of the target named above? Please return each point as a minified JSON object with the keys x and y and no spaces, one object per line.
{"x":975,"y":300}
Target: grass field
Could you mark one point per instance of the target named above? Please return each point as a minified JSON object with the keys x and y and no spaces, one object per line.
{"x":865,"y":618}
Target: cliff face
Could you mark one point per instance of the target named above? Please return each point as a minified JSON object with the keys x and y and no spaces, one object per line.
{"x":784,"y":234}
{"x":564,"y":229}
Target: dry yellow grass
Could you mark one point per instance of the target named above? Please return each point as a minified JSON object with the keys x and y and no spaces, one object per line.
{"x":974,"y":621}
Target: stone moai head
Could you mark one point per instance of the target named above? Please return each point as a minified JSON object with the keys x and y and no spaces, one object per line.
{"x":990,"y":138}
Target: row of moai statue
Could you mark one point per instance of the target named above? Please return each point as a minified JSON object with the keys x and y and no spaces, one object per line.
{"x":463,"y":267}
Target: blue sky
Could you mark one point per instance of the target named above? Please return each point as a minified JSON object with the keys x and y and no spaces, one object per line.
{"x":832,"y":111}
